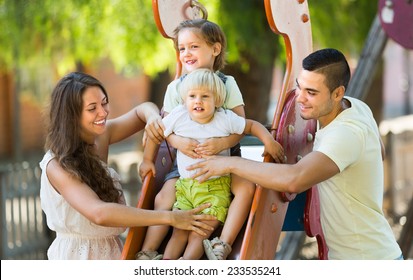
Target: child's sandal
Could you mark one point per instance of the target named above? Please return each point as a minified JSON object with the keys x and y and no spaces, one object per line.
{"x":216,"y":249}
{"x":148,"y":255}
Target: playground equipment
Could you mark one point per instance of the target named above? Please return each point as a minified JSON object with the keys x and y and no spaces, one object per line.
{"x":267,"y":219}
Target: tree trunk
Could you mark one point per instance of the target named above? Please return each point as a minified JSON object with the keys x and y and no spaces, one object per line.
{"x":158,"y":87}
{"x":6,"y":114}
{"x":255,"y":86}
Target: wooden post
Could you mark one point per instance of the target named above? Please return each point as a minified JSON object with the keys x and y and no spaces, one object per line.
{"x":372,"y":52}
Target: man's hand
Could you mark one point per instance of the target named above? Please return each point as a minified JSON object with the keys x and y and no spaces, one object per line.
{"x":212,"y":166}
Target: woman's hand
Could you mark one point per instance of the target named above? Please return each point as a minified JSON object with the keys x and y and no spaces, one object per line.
{"x":154,"y":129}
{"x":192,"y":220}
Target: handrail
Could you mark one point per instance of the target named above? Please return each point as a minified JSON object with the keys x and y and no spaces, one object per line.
{"x":196,"y":4}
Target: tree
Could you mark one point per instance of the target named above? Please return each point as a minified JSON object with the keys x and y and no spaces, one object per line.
{"x":76,"y":34}
{"x":67,"y":33}
{"x":254,"y":48}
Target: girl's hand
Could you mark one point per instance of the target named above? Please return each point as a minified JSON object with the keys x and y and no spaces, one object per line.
{"x":186,"y":146}
{"x":146,"y":167}
{"x":275,"y":150}
{"x":211,"y":146}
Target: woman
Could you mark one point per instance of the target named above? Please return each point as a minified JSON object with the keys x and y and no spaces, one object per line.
{"x":81,"y":197}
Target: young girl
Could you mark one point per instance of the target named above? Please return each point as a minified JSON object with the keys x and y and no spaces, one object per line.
{"x":82,"y":197}
{"x":202,"y":44}
{"x":201,"y":117}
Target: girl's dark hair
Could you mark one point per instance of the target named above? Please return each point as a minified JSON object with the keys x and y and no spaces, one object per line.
{"x":63,"y":136}
{"x":210,"y":32}
{"x":332,"y":64}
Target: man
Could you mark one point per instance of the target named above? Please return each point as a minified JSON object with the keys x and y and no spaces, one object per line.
{"x":346,"y":163}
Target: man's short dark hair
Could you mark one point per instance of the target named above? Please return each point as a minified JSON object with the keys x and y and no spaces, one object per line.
{"x":332,"y":64}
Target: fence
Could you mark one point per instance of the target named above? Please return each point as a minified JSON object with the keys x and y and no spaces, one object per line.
{"x":24,"y":234}
{"x":398,"y":138}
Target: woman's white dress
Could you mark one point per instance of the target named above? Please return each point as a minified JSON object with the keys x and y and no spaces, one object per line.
{"x":76,"y":237}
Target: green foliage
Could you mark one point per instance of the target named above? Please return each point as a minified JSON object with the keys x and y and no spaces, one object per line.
{"x":247,"y":30}
{"x":135,"y":40}
{"x":341,"y":24}
{"x":64,"y":33}
{"x":68,"y":32}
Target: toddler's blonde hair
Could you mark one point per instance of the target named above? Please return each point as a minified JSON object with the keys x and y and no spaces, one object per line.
{"x":204,"y":79}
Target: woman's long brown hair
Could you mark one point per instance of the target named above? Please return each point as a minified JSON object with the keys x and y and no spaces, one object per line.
{"x":63,"y":139}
